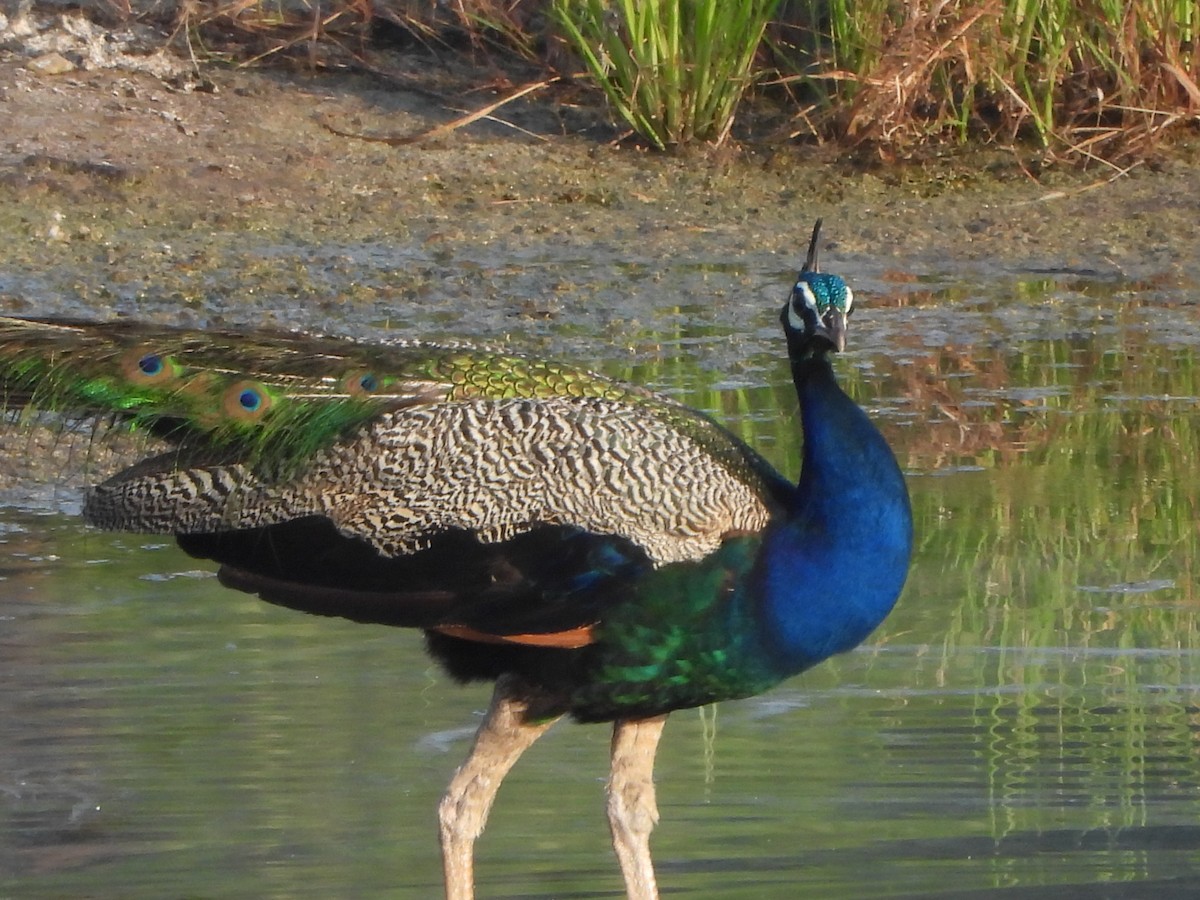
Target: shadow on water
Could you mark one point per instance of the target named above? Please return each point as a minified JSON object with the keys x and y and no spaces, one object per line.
{"x":1026,"y":725}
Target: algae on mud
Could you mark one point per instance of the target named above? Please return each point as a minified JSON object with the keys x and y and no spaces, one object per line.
{"x":120,"y":194}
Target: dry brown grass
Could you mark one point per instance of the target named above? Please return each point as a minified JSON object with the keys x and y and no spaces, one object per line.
{"x":1085,"y":80}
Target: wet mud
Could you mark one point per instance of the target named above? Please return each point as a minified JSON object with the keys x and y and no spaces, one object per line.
{"x":205,"y":198}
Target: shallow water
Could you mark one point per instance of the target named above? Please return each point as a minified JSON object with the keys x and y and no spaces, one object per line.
{"x":1025,"y":725}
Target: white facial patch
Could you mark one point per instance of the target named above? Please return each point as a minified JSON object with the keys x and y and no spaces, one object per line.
{"x":795,"y":319}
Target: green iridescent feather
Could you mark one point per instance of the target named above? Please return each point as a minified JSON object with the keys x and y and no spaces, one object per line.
{"x":313,"y":390}
{"x":685,"y":636}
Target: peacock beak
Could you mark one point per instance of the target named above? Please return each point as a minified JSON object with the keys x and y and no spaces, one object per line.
{"x":833,"y":328}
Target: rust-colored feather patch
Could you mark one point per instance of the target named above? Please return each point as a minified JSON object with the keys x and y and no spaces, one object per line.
{"x":571,"y":639}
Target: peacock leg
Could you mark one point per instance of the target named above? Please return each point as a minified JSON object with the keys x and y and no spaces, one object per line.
{"x":501,"y":739}
{"x":632,"y":812}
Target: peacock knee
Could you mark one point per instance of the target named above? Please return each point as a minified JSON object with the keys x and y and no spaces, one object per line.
{"x":632,"y":808}
{"x":461,"y":815}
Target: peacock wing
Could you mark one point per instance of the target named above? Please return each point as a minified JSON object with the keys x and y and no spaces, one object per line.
{"x":296,"y":454}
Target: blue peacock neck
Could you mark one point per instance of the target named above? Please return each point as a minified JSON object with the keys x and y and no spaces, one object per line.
{"x":832,"y":570}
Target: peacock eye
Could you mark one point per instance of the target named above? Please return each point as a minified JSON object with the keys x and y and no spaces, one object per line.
{"x":361,"y":383}
{"x":143,"y":366}
{"x":246,"y":401}
{"x":250,"y":400}
{"x":150,"y":365}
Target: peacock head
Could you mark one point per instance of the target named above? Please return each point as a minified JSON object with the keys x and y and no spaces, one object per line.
{"x":814,"y":318}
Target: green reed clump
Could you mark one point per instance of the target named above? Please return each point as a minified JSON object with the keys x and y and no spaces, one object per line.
{"x":674,"y":70}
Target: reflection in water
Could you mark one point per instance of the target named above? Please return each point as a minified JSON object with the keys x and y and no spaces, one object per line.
{"x":1025,"y":725}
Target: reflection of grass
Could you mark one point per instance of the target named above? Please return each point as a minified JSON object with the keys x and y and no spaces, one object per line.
{"x":1090,"y":486}
{"x":1086,"y":486}
{"x":1062,"y":466}
{"x":1037,"y":471}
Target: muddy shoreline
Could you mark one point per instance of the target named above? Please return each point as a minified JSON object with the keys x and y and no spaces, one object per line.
{"x":225,"y":198}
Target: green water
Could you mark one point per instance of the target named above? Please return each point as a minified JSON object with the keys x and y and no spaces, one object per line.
{"x":1026,"y":725}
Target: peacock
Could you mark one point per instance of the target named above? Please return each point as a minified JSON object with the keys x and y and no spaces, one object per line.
{"x":593,"y":548}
